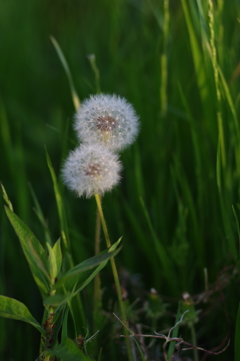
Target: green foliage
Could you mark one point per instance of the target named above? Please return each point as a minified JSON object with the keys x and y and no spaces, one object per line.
{"x":10,"y":308}
{"x":34,"y":252}
{"x":54,"y":260}
{"x":74,"y":272}
{"x":45,"y":270}
{"x":68,"y":351}
{"x":237,"y":336}
{"x":178,"y":203}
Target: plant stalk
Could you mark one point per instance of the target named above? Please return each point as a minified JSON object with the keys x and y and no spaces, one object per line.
{"x":97,"y":280}
{"x":115,"y":275}
{"x":194,"y":342}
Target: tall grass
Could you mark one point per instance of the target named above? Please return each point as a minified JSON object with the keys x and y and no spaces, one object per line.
{"x":177,"y":207}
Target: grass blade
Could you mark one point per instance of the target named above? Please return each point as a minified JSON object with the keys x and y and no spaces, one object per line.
{"x":40,"y":215}
{"x":75,"y":98}
{"x":161,"y":251}
{"x":85,"y":265}
{"x":196,"y":53}
{"x":61,"y":210}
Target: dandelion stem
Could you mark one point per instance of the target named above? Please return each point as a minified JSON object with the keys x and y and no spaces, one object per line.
{"x":115,"y":274}
{"x":97,"y":280}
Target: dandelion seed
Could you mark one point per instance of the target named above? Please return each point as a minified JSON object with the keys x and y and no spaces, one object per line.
{"x":108,"y":119}
{"x":90,"y":169}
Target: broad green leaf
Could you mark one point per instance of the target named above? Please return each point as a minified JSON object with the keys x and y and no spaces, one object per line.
{"x":58,"y":255}
{"x":57,"y":300}
{"x":86,"y":265}
{"x":75,"y":98}
{"x":60,"y":299}
{"x":33,"y":250}
{"x":68,"y":351}
{"x":11,"y":308}
{"x":52,"y":264}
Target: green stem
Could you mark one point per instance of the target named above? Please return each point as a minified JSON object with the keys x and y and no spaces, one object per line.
{"x":115,"y":275}
{"x":49,"y":325}
{"x":97,"y":280}
{"x":163,"y":59}
{"x":194,"y":342}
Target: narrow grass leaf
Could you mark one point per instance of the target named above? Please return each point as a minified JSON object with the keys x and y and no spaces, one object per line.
{"x":68,"y":351}
{"x":6,"y":138}
{"x":40,"y":216}
{"x":135,"y":224}
{"x":161,"y":251}
{"x":86,"y":265}
{"x":65,"y":324}
{"x":92,"y":60}
{"x":197,"y":147}
{"x":100,"y":267}
{"x":75,"y":98}
{"x":139,"y":349}
{"x":6,"y":199}
{"x":99,"y":355}
{"x":33,"y":250}
{"x":175,"y":332}
{"x":188,"y":196}
{"x":238,"y":229}
{"x":60,"y":207}
{"x":236,"y":132}
{"x":229,"y":235}
{"x":64,"y":142}
{"x":196,"y":53}
{"x":218,"y":168}
{"x":61,"y":299}
{"x":237,"y":336}
{"x":138,"y":172}
{"x":229,"y":99}
{"x":11,"y":308}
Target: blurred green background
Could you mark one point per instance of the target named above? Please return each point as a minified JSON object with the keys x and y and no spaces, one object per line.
{"x":178,"y":203}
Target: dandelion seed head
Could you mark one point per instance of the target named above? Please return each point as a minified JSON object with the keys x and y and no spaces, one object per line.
{"x":90,"y":169}
{"x":108,"y":119}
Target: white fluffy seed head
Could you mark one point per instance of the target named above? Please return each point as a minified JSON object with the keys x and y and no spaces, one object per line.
{"x":107,"y":119}
{"x":90,"y":169}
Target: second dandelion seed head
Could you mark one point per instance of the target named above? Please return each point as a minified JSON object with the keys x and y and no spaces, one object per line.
{"x":90,"y":169}
{"x":108,"y":119}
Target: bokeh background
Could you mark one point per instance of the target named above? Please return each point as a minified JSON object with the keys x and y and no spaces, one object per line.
{"x":176,"y":191}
